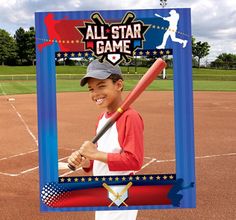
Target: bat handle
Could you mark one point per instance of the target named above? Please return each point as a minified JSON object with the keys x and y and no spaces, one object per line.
{"x":71,"y":167}
{"x":96,"y":138}
{"x":102,"y":131}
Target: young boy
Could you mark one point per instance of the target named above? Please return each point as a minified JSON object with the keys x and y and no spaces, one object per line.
{"x":120,"y":150}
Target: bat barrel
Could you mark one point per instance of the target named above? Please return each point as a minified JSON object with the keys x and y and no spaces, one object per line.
{"x":144,"y":82}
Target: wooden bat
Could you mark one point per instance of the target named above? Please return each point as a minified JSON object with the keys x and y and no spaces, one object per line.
{"x":143,"y":83}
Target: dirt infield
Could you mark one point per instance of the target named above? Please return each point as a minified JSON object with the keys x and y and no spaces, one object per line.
{"x":215,"y":147}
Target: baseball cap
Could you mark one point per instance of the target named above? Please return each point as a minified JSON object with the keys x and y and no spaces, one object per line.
{"x":99,"y":70}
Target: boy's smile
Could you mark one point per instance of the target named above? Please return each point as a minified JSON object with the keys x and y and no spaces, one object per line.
{"x":99,"y":101}
{"x":106,"y":93}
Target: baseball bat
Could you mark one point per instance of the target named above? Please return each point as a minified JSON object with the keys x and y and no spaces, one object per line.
{"x":129,"y":17}
{"x":98,"y":19}
{"x":143,"y":83}
{"x":158,"y":15}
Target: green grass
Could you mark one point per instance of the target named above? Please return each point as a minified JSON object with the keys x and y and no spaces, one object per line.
{"x":204,"y":71}
{"x":29,"y":87}
{"x":71,"y":69}
{"x":14,"y":70}
{"x":204,"y":79}
{"x":214,"y":86}
{"x":17,"y":87}
{"x":160,"y":85}
{"x":28,"y":72}
{"x":70,"y":86}
{"x":17,"y":70}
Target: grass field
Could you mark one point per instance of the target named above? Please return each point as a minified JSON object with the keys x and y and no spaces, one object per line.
{"x":31,"y":70}
{"x":21,"y":79}
{"x":29,"y":87}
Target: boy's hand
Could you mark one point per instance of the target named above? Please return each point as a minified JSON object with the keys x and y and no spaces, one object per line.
{"x":88,"y":150}
{"x":85,"y":163}
{"x":75,"y":159}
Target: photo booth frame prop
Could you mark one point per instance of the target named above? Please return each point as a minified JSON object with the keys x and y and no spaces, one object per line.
{"x":63,"y":35}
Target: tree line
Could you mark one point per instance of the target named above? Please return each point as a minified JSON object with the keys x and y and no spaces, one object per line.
{"x":20,"y":50}
{"x":202,"y":49}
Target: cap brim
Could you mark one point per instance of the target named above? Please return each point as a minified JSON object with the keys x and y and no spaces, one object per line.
{"x":97,"y":74}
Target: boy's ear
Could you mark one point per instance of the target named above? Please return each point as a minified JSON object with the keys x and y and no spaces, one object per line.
{"x":120,"y":84}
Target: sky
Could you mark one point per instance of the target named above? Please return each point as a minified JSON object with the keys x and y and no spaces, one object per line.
{"x":213,"y":21}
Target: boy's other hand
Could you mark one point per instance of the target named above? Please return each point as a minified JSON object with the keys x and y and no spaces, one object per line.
{"x":75,"y":159}
{"x":85,"y":163}
{"x":90,"y":151}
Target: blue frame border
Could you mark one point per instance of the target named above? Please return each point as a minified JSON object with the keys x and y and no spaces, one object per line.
{"x":183,"y":105}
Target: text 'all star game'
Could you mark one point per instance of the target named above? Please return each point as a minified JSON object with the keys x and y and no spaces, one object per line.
{"x":113,"y":41}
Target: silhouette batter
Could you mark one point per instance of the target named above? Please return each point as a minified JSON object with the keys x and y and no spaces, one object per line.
{"x":173,"y":20}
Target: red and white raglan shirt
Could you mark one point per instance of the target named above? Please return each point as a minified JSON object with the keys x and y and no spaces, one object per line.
{"x":124,"y":144}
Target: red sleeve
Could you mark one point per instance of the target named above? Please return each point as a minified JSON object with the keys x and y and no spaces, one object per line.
{"x":130,"y":134}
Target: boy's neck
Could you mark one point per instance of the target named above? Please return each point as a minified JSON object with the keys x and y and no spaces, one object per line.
{"x":115,"y":106}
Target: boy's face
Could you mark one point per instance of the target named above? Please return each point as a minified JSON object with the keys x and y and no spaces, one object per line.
{"x":105,"y":93}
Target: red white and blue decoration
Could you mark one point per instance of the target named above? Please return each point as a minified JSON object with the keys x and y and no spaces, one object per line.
{"x":116,"y":36}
